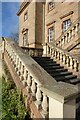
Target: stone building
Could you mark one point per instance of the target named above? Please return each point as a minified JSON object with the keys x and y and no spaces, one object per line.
{"x":49,"y":76}
{"x":45,"y":22}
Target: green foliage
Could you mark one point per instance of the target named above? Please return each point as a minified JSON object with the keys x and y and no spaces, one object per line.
{"x":12,"y":102}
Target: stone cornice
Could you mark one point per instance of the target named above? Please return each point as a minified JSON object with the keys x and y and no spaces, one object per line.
{"x":23,"y":5}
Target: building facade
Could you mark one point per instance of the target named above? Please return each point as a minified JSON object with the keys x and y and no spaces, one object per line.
{"x":45,"y":22}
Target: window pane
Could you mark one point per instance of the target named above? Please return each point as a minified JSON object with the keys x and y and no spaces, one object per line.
{"x":25,"y":39}
{"x":50,"y":5}
{"x":50,"y":34}
{"x":66,"y":25}
{"x":25,"y":16}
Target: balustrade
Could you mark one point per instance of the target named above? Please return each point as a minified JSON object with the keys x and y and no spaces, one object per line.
{"x":64,"y":57}
{"x":42,"y":98}
{"x":69,"y":34}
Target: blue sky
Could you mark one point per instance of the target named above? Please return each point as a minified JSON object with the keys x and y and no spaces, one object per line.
{"x":9,"y":18}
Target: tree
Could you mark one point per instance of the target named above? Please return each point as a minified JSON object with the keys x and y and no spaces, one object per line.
{"x":15,"y":36}
{"x":13,"y":107}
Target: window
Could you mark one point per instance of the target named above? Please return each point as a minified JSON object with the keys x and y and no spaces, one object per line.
{"x":50,"y":34}
{"x":25,"y":38}
{"x":25,"y":16}
{"x":66,"y":25}
{"x":50,"y":5}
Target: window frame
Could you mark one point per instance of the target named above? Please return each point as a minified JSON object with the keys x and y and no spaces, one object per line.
{"x":52,"y":7}
{"x":25,"y":41}
{"x":25,"y":14}
{"x":50,"y":35}
{"x":66,"y":25}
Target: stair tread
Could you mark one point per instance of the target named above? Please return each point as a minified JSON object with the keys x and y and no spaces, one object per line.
{"x":63,"y":73}
{"x":49,"y":64}
{"x":46,"y":61}
{"x":56,"y":71}
{"x":74,"y":80}
{"x":65,"y":78}
{"x":54,"y":67}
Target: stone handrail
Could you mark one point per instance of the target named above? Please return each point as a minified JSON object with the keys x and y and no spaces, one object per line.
{"x":67,"y":36}
{"x":37,"y":81}
{"x":64,"y":57}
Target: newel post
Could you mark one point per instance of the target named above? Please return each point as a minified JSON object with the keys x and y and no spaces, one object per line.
{"x":62,"y":110}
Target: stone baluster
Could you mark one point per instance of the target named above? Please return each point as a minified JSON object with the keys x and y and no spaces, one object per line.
{"x":35,"y":53}
{"x":38,"y":97}
{"x":73,"y":32}
{"x":47,"y":49}
{"x":24,"y":76}
{"x":70,"y":34}
{"x":45,"y":106}
{"x":33,"y":89}
{"x":64,"y":58}
{"x":62,"y":41}
{"x":12,"y":59}
{"x":69,"y":37}
{"x":75,"y":65}
{"x":18,"y":72}
{"x":59,"y":43}
{"x":68,"y":61}
{"x":58,"y":55}
{"x":71,"y":62}
{"x":76,"y":29}
{"x":61,"y":57}
{"x":66,"y":38}
{"x":21,"y":72}
{"x":29,"y":80}
{"x":16,"y":63}
{"x":50,"y":51}
{"x":53,"y":52}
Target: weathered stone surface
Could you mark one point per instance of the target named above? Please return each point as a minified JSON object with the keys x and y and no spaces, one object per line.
{"x":58,"y":90}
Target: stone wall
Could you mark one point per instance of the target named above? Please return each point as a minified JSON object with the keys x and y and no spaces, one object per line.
{"x":60,"y":13}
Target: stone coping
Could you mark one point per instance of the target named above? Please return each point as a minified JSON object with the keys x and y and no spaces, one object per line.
{"x":62,"y":50}
{"x":60,"y":91}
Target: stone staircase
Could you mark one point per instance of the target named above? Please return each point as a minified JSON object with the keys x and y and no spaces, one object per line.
{"x":45,"y":82}
{"x":56,"y":71}
{"x":59,"y":73}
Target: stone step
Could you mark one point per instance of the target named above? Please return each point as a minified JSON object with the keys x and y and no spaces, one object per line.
{"x":65,"y":78}
{"x":41,"y":58}
{"x":46,"y":61}
{"x":57,"y":70}
{"x":53,"y":67}
{"x":49,"y":64}
{"x":74,"y":81}
{"x":61,"y":74}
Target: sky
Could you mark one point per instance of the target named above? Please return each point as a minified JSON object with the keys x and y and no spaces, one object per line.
{"x":8,"y":18}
